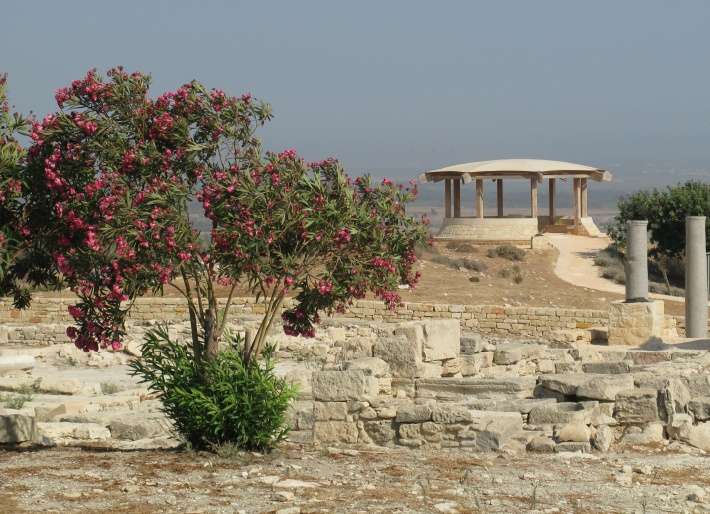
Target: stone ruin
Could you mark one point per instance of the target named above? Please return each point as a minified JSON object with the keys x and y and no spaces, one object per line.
{"x":408,"y":384}
{"x":426,"y":385}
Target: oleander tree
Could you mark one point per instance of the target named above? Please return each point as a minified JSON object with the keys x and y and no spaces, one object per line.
{"x":16,"y":273}
{"x":105,"y":197}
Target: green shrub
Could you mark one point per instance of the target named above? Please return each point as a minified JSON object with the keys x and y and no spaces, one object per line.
{"x":510,"y":252}
{"x":454,"y":263}
{"x":460,"y":247}
{"x":217,"y":401}
{"x":15,"y":402}
{"x":504,"y":273}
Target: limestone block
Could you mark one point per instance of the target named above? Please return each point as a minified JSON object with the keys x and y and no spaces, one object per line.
{"x":695,"y":435}
{"x":493,"y":429}
{"x":563,"y":384}
{"x":340,"y":386}
{"x":491,"y":388}
{"x":605,"y":387}
{"x":330,"y":411}
{"x":59,"y":431}
{"x":510,"y":353}
{"x":633,"y":324}
{"x":606,"y":368}
{"x":16,"y":427}
{"x":413,"y":413}
{"x":13,"y":362}
{"x":574,"y":447}
{"x":379,"y":367}
{"x":335,"y":432}
{"x":450,"y":367}
{"x":674,"y":397}
{"x":136,"y":428}
{"x":473,"y":364}
{"x":471,"y":343}
{"x":410,"y":431}
{"x":541,"y":444}
{"x":700,"y":408}
{"x":451,"y":414}
{"x":440,"y":339}
{"x":562,"y":412}
{"x":429,"y":370}
{"x":403,"y":355}
{"x":636,"y":406}
{"x":603,"y":438}
{"x":649,"y":433}
{"x":381,"y":432}
{"x":574,"y":432}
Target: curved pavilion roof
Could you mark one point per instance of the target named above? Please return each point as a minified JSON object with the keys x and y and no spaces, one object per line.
{"x":516,"y":168}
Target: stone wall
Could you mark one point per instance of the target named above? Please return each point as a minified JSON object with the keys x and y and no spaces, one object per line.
{"x":486,"y":319}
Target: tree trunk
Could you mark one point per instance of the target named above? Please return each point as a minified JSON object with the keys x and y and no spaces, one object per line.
{"x":211,"y":335}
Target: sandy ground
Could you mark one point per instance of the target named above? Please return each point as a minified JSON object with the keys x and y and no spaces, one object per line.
{"x":300,"y":480}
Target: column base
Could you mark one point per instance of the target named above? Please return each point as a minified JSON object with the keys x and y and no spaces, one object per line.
{"x":633,"y":324}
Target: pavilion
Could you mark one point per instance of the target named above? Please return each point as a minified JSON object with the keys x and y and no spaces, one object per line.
{"x":515,"y":228}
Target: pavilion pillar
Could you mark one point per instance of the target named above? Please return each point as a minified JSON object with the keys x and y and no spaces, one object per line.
{"x":583,"y":203}
{"x":499,"y":196}
{"x":479,"y":197}
{"x":457,"y":198}
{"x":447,"y":198}
{"x":533,"y":197}
{"x":551,"y":184}
{"x":577,"y":196}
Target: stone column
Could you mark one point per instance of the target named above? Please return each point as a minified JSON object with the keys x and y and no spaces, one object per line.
{"x":583,"y":187}
{"x":533,"y":197}
{"x":696,"y":278}
{"x":551,"y":193}
{"x":577,"y":201}
{"x":457,"y":198}
{"x":479,"y":198}
{"x":447,"y":198}
{"x":499,"y":196}
{"x":636,"y":262}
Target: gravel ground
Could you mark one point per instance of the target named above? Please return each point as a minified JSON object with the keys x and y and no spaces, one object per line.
{"x":302,"y":479}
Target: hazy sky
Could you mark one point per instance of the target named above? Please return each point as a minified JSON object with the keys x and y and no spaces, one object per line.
{"x":401,"y":86}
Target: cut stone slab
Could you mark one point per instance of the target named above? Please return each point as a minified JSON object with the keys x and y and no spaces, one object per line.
{"x":511,"y":353}
{"x":378,"y":366}
{"x":491,"y":430}
{"x":606,"y":368}
{"x":16,"y":427}
{"x":473,"y":364}
{"x":461,"y":388}
{"x":574,"y":432}
{"x":562,"y":413}
{"x":413,"y":414}
{"x":633,"y":324}
{"x":13,"y":362}
{"x":523,"y":406}
{"x":648,"y":433}
{"x":403,"y":355}
{"x":564,"y":384}
{"x":335,"y":432}
{"x":605,"y":387}
{"x":700,"y":408}
{"x":59,"y":432}
{"x":636,"y":406}
{"x":339,"y":386}
{"x":440,"y":339}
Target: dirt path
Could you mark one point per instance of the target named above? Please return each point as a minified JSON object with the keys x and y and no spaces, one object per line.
{"x":575,"y":264}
